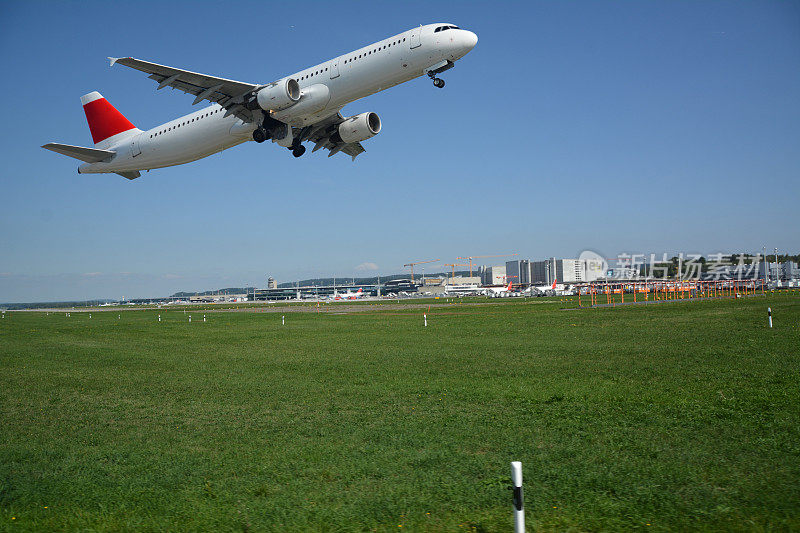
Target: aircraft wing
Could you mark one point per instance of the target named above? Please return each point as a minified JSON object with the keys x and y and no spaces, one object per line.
{"x":321,"y":132}
{"x":229,"y":94}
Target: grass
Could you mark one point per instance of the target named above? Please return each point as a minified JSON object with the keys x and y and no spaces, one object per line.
{"x":660,"y":417}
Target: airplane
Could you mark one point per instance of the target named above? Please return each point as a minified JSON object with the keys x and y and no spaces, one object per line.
{"x":545,"y":289}
{"x":491,"y":291}
{"x":304,"y":106}
{"x":350,"y":295}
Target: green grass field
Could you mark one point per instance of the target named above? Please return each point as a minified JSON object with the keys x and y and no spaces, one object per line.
{"x":673,"y":416}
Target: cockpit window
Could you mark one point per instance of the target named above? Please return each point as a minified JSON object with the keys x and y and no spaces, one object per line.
{"x":443,"y":28}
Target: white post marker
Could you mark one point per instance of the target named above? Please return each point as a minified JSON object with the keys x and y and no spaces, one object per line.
{"x":769,"y":313}
{"x":283,"y":320}
{"x":425,"y":317}
{"x":119,"y":316}
{"x":159,"y":318}
{"x":204,"y":318}
{"x":519,"y":511}
{"x":190,"y":319}
{"x":90,"y":315}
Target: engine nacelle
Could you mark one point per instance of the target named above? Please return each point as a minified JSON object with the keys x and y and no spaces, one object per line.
{"x":282,"y":135}
{"x":360,"y":127}
{"x":313,"y":99}
{"x":283,"y":94}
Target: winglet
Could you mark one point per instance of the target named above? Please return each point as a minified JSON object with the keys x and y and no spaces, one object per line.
{"x":112,"y":60}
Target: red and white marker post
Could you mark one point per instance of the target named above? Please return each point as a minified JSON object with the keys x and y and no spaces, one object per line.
{"x":519,"y":508}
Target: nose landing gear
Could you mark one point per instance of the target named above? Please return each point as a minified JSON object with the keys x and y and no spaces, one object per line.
{"x":438,"y":69}
{"x":437,"y":82}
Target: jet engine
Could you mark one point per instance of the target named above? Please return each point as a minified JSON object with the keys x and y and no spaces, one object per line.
{"x":280,"y":95}
{"x":359,"y":127}
{"x":313,"y":99}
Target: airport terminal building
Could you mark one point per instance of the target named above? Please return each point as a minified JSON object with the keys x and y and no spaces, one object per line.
{"x":550,"y":270}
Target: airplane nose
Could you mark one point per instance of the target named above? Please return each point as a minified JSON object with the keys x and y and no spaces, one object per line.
{"x":471,"y":39}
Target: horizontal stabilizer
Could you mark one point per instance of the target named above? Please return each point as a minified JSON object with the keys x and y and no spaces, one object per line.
{"x":90,"y":155}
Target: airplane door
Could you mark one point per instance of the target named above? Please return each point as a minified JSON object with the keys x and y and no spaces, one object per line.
{"x":415,"y":42}
{"x":135,"y":150}
{"x":335,"y":68}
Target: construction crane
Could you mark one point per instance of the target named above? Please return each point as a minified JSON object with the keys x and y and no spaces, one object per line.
{"x":479,"y":257}
{"x":454,"y":265}
{"x":418,"y":263}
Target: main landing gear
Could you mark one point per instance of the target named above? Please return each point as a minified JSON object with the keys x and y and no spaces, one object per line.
{"x":270,"y":128}
{"x":260,"y":135}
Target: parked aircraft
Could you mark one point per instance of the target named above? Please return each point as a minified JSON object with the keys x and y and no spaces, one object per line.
{"x":349,"y":295}
{"x":490,"y":291}
{"x":554,"y":289}
{"x":304,"y":106}
{"x":544,"y":288}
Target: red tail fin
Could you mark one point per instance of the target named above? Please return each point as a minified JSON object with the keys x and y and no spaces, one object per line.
{"x":509,"y":286}
{"x":103,"y":118}
{"x":554,"y":284}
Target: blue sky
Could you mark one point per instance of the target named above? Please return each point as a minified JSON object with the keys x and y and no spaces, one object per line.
{"x":612,"y":126}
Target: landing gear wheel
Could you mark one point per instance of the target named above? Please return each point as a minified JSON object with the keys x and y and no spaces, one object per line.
{"x":297,"y":151}
{"x":260,"y":135}
{"x":438,"y":82}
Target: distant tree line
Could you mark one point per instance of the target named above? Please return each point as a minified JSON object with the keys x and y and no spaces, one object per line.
{"x":46,"y":305}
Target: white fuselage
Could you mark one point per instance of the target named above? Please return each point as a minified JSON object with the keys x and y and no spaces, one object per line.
{"x":346,"y":78}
